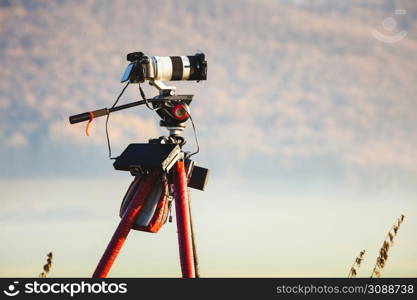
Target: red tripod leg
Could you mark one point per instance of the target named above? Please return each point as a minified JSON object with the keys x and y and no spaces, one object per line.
{"x":124,"y":227}
{"x":183,"y":221}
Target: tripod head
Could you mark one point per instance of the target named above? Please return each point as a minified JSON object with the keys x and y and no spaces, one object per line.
{"x":174,"y":111}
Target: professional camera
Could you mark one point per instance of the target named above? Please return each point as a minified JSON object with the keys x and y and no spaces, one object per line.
{"x":173,"y":109}
{"x":164,"y":68}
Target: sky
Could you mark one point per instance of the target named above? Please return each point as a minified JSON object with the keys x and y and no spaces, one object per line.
{"x":307,"y":123}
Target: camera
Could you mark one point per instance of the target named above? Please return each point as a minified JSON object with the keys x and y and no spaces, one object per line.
{"x":165,"y":68}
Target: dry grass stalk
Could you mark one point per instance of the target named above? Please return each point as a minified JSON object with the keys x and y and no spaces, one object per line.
{"x":356,"y":264}
{"x":47,"y":266}
{"x":382,"y":258}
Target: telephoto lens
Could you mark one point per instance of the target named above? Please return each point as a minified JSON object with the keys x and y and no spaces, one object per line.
{"x":173,"y":68}
{"x":165,"y":68}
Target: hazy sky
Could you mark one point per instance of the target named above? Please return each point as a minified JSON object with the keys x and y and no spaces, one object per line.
{"x":307,"y":122}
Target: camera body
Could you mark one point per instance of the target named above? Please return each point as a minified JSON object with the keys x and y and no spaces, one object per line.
{"x":165,"y":68}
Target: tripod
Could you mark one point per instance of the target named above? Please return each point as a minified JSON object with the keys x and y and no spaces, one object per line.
{"x":162,"y":161}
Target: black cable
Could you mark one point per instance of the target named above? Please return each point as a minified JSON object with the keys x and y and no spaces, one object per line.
{"x":195,"y":136}
{"x":107,"y":120}
{"x":142,"y":93}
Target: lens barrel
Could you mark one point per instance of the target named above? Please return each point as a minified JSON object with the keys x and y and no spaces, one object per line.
{"x":174,"y":68}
